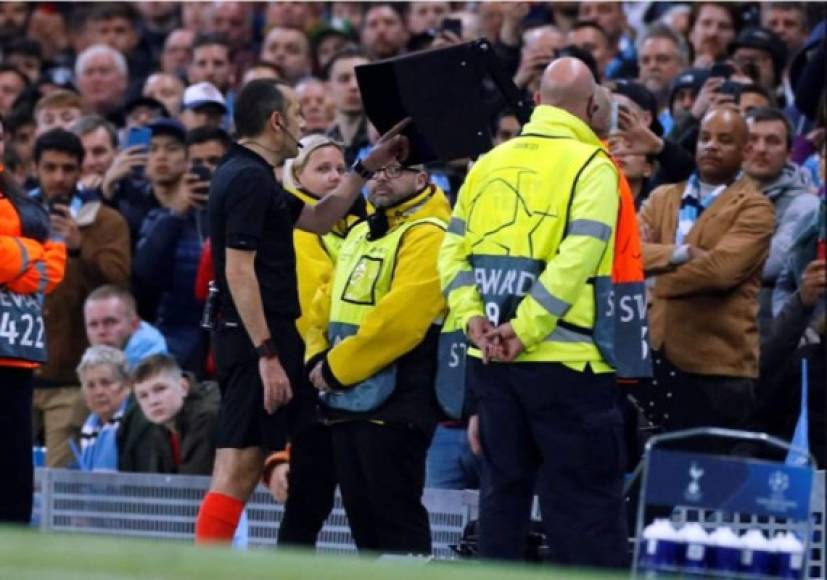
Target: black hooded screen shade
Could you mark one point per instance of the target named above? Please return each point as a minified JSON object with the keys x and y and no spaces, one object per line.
{"x":443,"y":90}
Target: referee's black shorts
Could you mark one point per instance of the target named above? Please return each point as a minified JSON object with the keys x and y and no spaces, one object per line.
{"x":242,"y":420}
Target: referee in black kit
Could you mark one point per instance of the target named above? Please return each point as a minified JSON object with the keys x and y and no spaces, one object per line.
{"x":258,"y":352}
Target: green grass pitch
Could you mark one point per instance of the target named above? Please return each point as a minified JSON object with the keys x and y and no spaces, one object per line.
{"x":28,"y":554}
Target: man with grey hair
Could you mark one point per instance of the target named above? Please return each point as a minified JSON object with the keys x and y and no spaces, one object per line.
{"x":662,"y":55}
{"x":100,"y":145}
{"x":102,"y":77}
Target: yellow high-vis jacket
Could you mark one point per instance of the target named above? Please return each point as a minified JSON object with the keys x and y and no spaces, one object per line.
{"x":386,"y":291}
{"x":315,"y":256}
{"x":531,"y":241}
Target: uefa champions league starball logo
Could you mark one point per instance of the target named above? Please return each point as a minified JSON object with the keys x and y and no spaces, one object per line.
{"x":779,"y":482}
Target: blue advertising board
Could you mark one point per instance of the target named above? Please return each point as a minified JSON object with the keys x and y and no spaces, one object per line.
{"x":676,"y":478}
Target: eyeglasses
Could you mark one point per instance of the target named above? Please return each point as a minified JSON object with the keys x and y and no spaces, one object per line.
{"x":391,"y":171}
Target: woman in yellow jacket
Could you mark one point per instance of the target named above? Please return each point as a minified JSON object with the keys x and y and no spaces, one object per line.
{"x":31,"y":265}
{"x":316,"y":171}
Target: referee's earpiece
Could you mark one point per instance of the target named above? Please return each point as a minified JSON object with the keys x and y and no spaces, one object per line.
{"x":290,"y":135}
{"x":280,"y":127}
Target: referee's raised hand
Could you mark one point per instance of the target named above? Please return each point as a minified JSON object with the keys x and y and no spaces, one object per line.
{"x":390,"y":146}
{"x":277,"y":391}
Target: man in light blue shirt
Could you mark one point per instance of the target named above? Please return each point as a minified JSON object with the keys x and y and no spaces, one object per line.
{"x":111,"y":319}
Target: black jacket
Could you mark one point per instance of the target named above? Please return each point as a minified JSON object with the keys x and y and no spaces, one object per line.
{"x":145,"y":447}
{"x":809,"y":88}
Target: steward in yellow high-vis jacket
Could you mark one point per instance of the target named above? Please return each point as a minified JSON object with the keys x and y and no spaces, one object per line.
{"x":529,"y":251}
{"x":372,"y":348}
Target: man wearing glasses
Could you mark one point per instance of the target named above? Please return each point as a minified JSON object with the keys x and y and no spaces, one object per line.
{"x":372,"y":351}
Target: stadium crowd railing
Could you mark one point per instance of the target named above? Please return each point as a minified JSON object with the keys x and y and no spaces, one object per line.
{"x":165,"y":506}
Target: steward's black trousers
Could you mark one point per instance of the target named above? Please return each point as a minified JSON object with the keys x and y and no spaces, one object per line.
{"x":381,"y":471}
{"x":546,"y":420}
{"x":312,"y":486}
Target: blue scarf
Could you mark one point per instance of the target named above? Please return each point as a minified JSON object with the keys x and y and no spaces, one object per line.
{"x":80,"y":197}
{"x":98,"y":442}
{"x":692,"y":206}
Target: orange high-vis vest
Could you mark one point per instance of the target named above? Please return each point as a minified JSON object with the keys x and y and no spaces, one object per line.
{"x":19,"y":256}
{"x":628,"y":263}
{"x":632,"y":350}
{"x":26,"y":265}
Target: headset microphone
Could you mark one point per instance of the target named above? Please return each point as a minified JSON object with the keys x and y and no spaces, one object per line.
{"x":293,"y":137}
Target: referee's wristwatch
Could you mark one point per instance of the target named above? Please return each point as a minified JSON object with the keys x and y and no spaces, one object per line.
{"x":267,"y":349}
{"x":359,"y":169}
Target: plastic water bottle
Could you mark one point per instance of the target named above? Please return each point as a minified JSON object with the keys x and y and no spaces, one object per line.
{"x":39,"y":456}
{"x":724,"y":551}
{"x":660,"y":545}
{"x":789,"y":555}
{"x":696,"y":541}
{"x":756,"y":554}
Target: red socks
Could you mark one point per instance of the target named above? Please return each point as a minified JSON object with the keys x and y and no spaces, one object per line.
{"x":217,"y":518}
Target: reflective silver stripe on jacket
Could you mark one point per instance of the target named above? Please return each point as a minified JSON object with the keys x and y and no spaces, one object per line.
{"x":40,"y":266}
{"x":462,"y":279}
{"x":591,"y":228}
{"x":457,"y":226}
{"x":549,"y":301}
{"x":560,"y":334}
{"x":24,"y":255}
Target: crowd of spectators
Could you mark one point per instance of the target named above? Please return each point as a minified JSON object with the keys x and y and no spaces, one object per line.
{"x":116,"y":114}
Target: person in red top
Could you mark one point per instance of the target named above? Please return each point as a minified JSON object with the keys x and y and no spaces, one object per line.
{"x":31,"y":265}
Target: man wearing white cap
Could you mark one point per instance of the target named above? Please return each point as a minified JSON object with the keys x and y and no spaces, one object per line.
{"x":203,"y":105}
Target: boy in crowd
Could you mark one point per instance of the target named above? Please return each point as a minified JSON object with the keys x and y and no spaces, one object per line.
{"x":184,"y":412}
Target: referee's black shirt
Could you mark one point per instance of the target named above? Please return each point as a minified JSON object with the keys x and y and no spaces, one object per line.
{"x":249,"y":210}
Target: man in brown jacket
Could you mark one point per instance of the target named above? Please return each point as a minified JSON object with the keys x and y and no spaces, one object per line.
{"x":97,"y":242}
{"x":705,"y":242}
